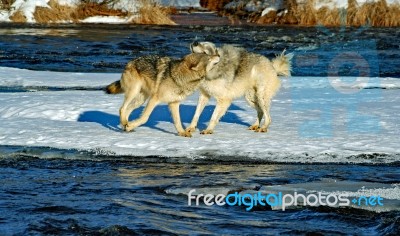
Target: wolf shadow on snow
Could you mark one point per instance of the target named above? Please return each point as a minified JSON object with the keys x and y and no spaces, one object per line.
{"x":161,"y":114}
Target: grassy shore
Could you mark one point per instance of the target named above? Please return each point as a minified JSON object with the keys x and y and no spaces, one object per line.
{"x":305,"y":13}
{"x":148,"y":12}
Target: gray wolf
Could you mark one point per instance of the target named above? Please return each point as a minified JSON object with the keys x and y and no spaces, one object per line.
{"x":161,"y":79}
{"x":239,"y":73}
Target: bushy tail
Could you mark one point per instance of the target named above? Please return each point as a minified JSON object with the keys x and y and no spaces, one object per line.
{"x":114,"y":88}
{"x":282,"y":63}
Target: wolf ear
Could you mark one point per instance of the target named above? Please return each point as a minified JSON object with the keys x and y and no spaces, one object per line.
{"x":210,"y":49}
{"x":196,"y":67}
{"x":212,"y":62}
{"x":197,"y":62}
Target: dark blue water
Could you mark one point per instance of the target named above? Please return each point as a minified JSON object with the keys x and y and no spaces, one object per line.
{"x":69,"y":192}
{"x":318,"y":51}
{"x":126,"y":196}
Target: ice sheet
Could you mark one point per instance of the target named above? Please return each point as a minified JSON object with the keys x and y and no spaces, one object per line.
{"x":309,"y":123}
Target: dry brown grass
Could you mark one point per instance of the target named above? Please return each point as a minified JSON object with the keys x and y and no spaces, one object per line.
{"x":88,"y":9}
{"x":214,"y":5}
{"x":152,"y":13}
{"x":374,"y":14}
{"x":305,"y":14}
{"x":330,"y":17}
{"x":56,"y":13}
{"x":149,"y":13}
{"x":6,"y":4}
{"x":18,"y":17}
{"x":378,"y":14}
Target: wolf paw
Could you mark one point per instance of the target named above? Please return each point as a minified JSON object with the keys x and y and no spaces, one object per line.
{"x":207,"y":131}
{"x":185,"y":134}
{"x":127,"y":128}
{"x":261,"y":130}
{"x":190,"y":129}
{"x":254,"y":127}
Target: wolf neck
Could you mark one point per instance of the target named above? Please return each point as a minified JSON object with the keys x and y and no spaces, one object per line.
{"x":184,"y":76}
{"x":230,"y":58}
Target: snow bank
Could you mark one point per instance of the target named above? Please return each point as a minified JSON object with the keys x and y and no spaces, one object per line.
{"x":28,"y":7}
{"x":180,"y":3}
{"x":107,"y":20}
{"x":4,"y":16}
{"x":88,"y":120}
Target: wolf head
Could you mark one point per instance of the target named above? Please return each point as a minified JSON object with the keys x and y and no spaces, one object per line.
{"x":204,"y":47}
{"x":201,"y":61}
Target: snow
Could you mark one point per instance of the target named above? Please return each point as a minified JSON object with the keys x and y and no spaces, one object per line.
{"x":330,"y":4}
{"x":107,"y":19}
{"x":13,"y":77}
{"x":4,"y":16}
{"x":69,"y":2}
{"x":267,"y":10}
{"x":127,"y":5}
{"x":300,"y":131}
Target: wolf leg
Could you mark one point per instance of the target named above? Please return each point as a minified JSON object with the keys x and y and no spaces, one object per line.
{"x":219,"y":111}
{"x":265,"y":104}
{"x":268,"y":85}
{"x":130,"y":95}
{"x":153,"y":102}
{"x":203,"y":100}
{"x":256,"y":124}
{"x":137,"y":102}
{"x":252,"y":101}
{"x":174,"y":108}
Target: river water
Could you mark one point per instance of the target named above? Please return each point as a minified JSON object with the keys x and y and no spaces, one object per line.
{"x":70,"y":192}
{"x":104,"y":48}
